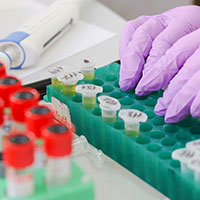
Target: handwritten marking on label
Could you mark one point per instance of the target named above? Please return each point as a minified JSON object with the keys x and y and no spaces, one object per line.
{"x":88,"y":87}
{"x":134,"y":114}
{"x":110,"y":101}
{"x":70,"y":75}
{"x":187,"y":154}
{"x":56,"y":70}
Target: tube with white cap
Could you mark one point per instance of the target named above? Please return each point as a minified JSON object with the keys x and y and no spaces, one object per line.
{"x":109,"y":107}
{"x":23,"y":47}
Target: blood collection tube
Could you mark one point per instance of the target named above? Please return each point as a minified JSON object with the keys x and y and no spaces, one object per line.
{"x":87,"y":69}
{"x":58,"y":147}
{"x":8,"y":85}
{"x":109,"y":107}
{"x":132,"y":119}
{"x":18,"y":159}
{"x":89,"y":92}
{"x":1,"y":137}
{"x":20,"y":101}
{"x":2,"y":69}
{"x":70,"y":80}
{"x":36,"y":118}
{"x":54,"y":73}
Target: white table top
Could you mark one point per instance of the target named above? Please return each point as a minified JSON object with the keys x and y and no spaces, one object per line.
{"x":112,"y":181}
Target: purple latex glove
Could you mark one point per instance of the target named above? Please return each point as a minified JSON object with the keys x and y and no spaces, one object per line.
{"x":167,"y":42}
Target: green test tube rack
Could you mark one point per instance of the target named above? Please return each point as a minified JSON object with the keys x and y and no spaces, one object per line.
{"x":79,"y":187}
{"x":149,"y":155}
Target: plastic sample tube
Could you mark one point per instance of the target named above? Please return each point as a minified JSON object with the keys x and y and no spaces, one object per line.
{"x":18,"y":158}
{"x":2,"y":69}
{"x":55,"y":72}
{"x":36,"y":118}
{"x":194,"y":164}
{"x":58,"y":147}
{"x":184,"y":156}
{"x":69,"y":81}
{"x":8,"y":85}
{"x":89,"y":92}
{"x":87,"y":69}
{"x":2,"y":104}
{"x":132,"y":119}
{"x":20,"y":101}
{"x":81,"y":146}
{"x":109,"y":107}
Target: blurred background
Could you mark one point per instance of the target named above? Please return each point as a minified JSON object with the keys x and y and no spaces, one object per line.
{"x":130,"y":9}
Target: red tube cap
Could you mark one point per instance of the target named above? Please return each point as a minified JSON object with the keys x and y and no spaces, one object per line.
{"x":2,"y":69}
{"x":58,"y":139}
{"x":21,"y":100}
{"x":8,"y":85}
{"x":19,"y":151}
{"x":37,"y":117}
{"x":2,"y":105}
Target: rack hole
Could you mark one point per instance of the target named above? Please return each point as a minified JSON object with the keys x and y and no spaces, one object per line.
{"x":158,"y":121}
{"x":126,"y":101}
{"x":145,"y":127}
{"x":116,"y":95}
{"x":107,"y":88}
{"x":142,"y":140}
{"x":154,"y":147}
{"x":97,"y":112}
{"x":119,"y":125}
{"x":138,"y":107}
{"x":77,"y":99}
{"x":168,"y":142}
{"x":111,"y":78}
{"x":165,"y":155}
{"x":157,"y":134}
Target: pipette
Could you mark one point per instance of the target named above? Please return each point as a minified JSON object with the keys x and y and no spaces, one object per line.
{"x":109,"y":106}
{"x":69,"y":81}
{"x":184,"y":156}
{"x":132,"y":119}
{"x":54,"y":73}
{"x":23,"y":48}
{"x":87,"y":69}
{"x":89,"y":92}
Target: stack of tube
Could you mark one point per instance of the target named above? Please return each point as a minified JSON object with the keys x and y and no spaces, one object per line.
{"x":30,"y":138}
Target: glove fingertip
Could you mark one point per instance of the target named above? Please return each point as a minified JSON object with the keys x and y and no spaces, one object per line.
{"x":160,"y":109}
{"x":195,"y":110}
{"x":126,"y":84}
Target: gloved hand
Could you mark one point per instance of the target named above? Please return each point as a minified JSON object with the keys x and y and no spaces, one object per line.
{"x":168,"y":43}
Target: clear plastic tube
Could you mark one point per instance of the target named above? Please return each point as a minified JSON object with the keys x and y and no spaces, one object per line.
{"x":20,"y":183}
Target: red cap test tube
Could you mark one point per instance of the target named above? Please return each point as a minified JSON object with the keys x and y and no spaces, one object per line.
{"x":36,"y":118}
{"x":58,"y":147}
{"x":18,"y":158}
{"x":8,"y":85}
{"x":20,"y":101}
